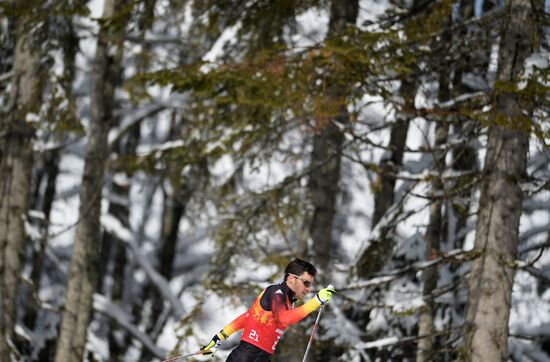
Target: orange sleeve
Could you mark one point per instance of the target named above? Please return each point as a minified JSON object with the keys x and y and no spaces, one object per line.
{"x":292,"y":316}
{"x":235,"y":325}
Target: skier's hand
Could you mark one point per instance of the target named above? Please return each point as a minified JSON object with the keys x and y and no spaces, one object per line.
{"x":324,"y":295}
{"x":213,"y":345}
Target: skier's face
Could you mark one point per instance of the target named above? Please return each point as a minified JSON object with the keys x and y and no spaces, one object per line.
{"x":300,"y":284}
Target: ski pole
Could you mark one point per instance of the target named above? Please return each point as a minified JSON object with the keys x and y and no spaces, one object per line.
{"x":315,"y":326}
{"x":172,"y":359}
{"x":312,"y":333}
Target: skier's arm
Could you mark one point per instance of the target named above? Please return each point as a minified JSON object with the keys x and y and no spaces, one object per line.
{"x":291,"y":316}
{"x":233,"y":326}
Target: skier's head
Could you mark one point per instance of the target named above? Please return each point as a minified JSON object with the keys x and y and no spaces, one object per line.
{"x":299,"y":276}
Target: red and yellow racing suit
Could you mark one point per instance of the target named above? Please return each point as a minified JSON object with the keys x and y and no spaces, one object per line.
{"x":268,"y":317}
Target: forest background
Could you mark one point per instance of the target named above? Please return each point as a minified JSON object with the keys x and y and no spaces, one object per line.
{"x":161,"y":161}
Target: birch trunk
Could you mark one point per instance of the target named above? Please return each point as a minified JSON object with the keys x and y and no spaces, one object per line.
{"x":15,"y":167}
{"x":492,"y":274}
{"x":83,"y":268}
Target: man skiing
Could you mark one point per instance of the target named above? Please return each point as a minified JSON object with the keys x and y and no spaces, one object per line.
{"x":270,"y":314}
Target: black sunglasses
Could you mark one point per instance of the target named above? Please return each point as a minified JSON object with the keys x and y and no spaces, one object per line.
{"x":307,"y":283}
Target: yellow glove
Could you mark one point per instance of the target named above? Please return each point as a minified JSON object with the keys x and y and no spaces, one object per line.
{"x":214,"y":344}
{"x":324,"y":295}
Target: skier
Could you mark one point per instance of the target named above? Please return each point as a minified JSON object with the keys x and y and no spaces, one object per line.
{"x":270,"y":314}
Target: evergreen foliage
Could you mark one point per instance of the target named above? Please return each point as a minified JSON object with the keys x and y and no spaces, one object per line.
{"x":207,"y":194}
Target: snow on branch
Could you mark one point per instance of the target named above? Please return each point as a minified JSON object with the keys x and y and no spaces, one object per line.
{"x":36,"y":297}
{"x":537,"y":273}
{"x":343,"y":328}
{"x":538,"y":246}
{"x":531,"y":331}
{"x":532,"y":232}
{"x":6,"y":76}
{"x":383,"y":342}
{"x":103,"y":305}
{"x":457,"y":254}
{"x":166,"y":146}
{"x":530,"y":205}
{"x":428,"y":175}
{"x":389,"y":220}
{"x":385,"y":222}
{"x":133,"y":119}
{"x":461,"y":99}
{"x":138,"y":115}
{"x":115,"y":227}
{"x":450,"y":145}
{"x":390,"y":341}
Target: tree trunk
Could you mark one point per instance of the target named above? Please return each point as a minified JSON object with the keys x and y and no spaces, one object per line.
{"x":492,"y":274}
{"x":50,"y":172}
{"x":324,"y":181}
{"x":15,"y":168}
{"x":83,"y":268}
{"x":377,"y":253}
{"x":463,"y":159}
{"x":393,"y":159}
{"x":113,"y":249}
{"x":174,"y":210}
{"x":323,"y":187}
{"x":45,"y":179}
{"x":327,"y":150}
{"x":176,"y":198}
{"x":436,"y":226}
{"x":433,"y":238}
